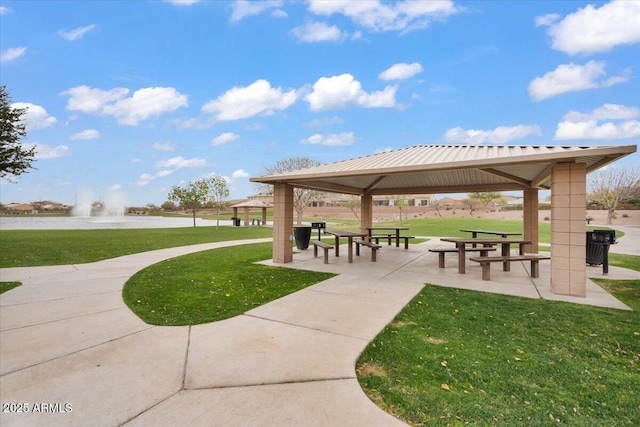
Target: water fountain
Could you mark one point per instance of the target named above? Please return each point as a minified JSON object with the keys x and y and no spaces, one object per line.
{"x":112,"y":210}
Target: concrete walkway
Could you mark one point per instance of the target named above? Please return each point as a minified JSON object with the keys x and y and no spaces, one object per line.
{"x":67,"y":338}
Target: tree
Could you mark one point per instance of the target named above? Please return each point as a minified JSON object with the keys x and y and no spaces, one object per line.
{"x":302,"y":197}
{"x":192,"y":196}
{"x":484,"y":198}
{"x":219,"y":193}
{"x":354,"y":203}
{"x":611,"y":187}
{"x":14,"y":159}
{"x":401,"y":202}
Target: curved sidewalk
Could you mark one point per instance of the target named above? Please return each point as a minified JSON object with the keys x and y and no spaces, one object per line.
{"x":70,"y":346}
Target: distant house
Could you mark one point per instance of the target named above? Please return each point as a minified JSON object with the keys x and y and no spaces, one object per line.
{"x":20,"y":208}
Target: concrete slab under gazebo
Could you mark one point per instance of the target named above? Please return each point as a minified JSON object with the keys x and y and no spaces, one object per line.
{"x":247,"y":206}
{"x":439,"y":169}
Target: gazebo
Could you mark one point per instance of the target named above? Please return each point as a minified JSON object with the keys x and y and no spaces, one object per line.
{"x":437,"y":169}
{"x":247,"y":206}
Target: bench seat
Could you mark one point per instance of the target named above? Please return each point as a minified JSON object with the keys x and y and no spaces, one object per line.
{"x":485,"y":262}
{"x":391,"y":237}
{"x":325,"y":246}
{"x":374,"y":248}
{"x":442,"y":251}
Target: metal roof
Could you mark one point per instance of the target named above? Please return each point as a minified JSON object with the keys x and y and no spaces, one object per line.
{"x":432,"y":169}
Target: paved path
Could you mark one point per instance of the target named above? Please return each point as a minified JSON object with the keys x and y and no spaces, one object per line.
{"x":67,"y":338}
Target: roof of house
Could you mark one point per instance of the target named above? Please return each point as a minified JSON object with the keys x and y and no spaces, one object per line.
{"x":432,"y":169}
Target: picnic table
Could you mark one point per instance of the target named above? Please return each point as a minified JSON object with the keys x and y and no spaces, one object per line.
{"x":462,"y":242}
{"x":503,"y":234}
{"x":396,"y":231}
{"x":349,"y":235}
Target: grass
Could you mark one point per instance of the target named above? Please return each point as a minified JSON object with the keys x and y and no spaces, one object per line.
{"x":7,"y":286}
{"x":458,"y":357}
{"x":211,"y":285}
{"x":27,"y":248}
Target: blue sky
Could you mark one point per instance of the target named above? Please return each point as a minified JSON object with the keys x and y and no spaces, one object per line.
{"x":133,"y":97}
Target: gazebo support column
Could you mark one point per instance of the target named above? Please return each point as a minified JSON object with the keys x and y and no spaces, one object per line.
{"x":264,"y":216}
{"x":366,"y":211}
{"x":246,"y":217}
{"x":568,"y":240}
{"x":530,"y":219}
{"x":282,"y":223}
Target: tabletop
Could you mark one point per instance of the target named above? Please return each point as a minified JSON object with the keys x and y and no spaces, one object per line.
{"x":345,"y":233}
{"x":496,"y":232}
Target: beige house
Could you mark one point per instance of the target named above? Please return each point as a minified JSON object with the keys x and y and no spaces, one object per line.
{"x":436,"y":169}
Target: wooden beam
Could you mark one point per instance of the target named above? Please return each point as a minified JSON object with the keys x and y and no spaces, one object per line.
{"x":508,"y":176}
{"x":453,"y":189}
{"x":374,"y":183}
{"x":542,"y":176}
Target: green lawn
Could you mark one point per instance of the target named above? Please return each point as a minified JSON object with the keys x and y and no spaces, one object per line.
{"x":211,"y":285}
{"x":457,"y":357}
{"x":26,"y":248}
{"x":7,"y":286}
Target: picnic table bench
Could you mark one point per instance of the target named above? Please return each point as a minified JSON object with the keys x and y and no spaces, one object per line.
{"x":374,"y":248}
{"x":441,"y":251}
{"x":389,"y":236}
{"x":505,"y":243}
{"x":325,"y":246}
{"x":503,"y":234}
{"x":485,"y":262}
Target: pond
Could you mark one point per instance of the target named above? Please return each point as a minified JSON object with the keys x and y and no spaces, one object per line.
{"x":71,"y":223}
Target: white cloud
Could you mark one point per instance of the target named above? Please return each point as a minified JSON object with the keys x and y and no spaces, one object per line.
{"x":243,"y":8}
{"x":141,"y":105}
{"x":145,"y":178}
{"x":12,"y":54}
{"x":76,"y":33}
{"x":592,"y":130}
{"x":115,"y":187}
{"x":182,"y":2}
{"x":595,"y":30}
{"x":164,"y":172}
{"x":224,"y":138}
{"x":86,"y":134}
{"x":499,"y":135}
{"x":244,"y":102}
{"x":546,"y":20}
{"x":394,"y":16}
{"x":36,"y":117}
{"x":4,"y":10}
{"x":334,"y":139}
{"x":180,"y":162}
{"x":572,"y":78}
{"x":313,"y":32}
{"x":163,"y":146}
{"x":44,"y":151}
{"x":578,"y":125}
{"x":240,"y":173}
{"x":401,"y":71}
{"x":606,"y":112}
{"x":342,"y":91}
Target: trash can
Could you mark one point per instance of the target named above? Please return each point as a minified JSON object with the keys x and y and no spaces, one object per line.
{"x":302,"y":235}
{"x":235,"y":221}
{"x":598,"y":243}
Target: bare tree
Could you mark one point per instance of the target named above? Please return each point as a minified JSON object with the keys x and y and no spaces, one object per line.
{"x":354,"y":203}
{"x":302,"y":197}
{"x":437,"y":205}
{"x":610,"y":187}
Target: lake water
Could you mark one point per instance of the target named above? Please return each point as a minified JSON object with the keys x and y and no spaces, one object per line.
{"x":86,"y":223}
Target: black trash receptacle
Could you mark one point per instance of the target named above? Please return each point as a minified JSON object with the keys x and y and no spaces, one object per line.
{"x":302,"y":234}
{"x":594,"y":250}
{"x":235,"y":221}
